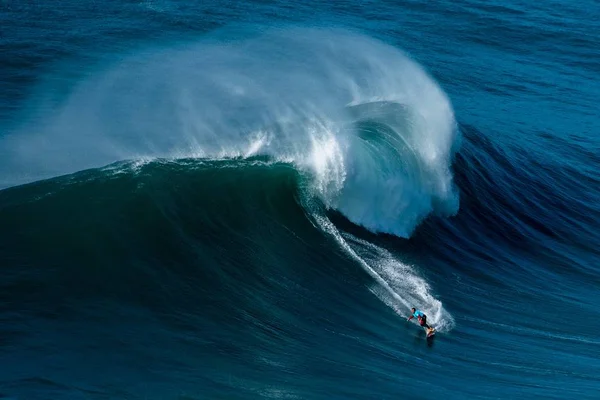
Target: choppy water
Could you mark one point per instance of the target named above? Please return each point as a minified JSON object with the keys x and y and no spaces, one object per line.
{"x":240,"y":201}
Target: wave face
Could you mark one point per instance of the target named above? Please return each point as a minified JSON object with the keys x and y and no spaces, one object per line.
{"x":234,"y":260}
{"x":373,"y":128}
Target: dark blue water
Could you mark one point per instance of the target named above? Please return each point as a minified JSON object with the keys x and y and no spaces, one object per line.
{"x":229,"y":200}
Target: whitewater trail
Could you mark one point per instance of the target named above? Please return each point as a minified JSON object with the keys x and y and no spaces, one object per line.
{"x":398,"y":284}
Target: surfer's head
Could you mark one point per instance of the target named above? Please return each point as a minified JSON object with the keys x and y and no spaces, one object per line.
{"x":413,"y":309}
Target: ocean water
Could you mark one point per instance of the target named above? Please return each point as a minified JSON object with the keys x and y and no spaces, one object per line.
{"x":243,"y":200}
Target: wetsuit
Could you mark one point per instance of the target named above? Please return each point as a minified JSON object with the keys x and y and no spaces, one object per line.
{"x":419,"y":315}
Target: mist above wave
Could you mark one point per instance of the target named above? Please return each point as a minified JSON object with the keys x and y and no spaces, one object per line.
{"x":373,"y":128}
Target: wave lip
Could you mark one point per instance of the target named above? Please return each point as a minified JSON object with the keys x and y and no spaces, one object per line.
{"x":375,"y":131}
{"x":398,"y":171}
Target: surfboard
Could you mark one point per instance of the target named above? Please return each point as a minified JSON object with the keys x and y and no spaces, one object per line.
{"x":430,"y":332}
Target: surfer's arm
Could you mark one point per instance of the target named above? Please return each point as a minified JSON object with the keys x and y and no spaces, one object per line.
{"x":411,"y":317}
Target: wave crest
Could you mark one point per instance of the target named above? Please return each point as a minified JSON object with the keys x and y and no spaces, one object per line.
{"x":376,"y":132}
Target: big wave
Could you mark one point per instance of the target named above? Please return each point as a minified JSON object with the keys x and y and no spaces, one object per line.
{"x":374,"y":130}
{"x":372,"y":135}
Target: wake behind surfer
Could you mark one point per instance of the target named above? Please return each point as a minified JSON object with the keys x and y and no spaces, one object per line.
{"x":420,"y":316}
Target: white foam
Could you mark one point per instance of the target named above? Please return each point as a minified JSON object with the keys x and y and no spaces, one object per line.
{"x":398,"y":284}
{"x":285,"y":94}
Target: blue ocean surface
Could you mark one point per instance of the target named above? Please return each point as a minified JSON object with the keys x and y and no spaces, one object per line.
{"x":243,"y":200}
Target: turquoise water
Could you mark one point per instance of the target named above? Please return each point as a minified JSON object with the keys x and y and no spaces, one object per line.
{"x":244,"y":200}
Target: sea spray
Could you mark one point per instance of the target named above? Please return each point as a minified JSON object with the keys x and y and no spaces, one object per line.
{"x":376,"y":132}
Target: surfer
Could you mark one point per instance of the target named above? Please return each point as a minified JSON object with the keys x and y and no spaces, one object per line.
{"x":421,"y":317}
